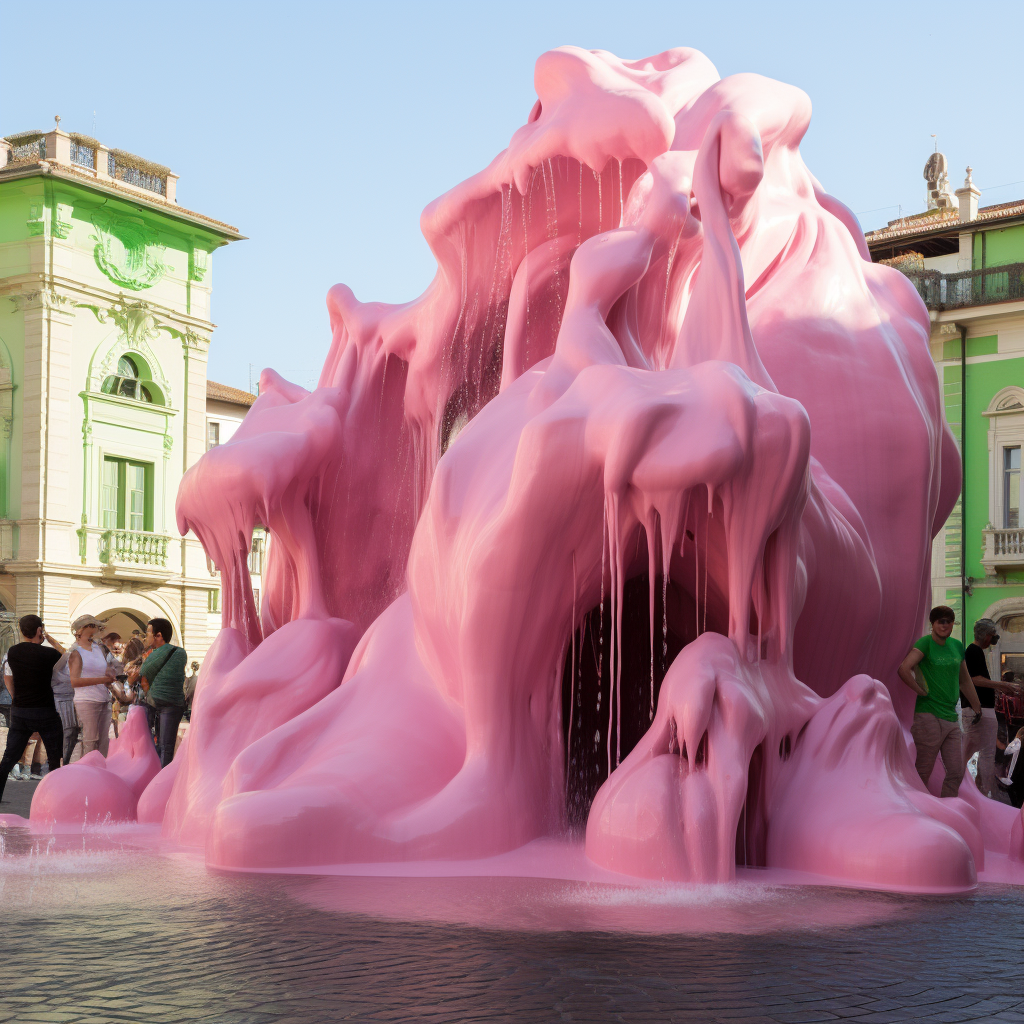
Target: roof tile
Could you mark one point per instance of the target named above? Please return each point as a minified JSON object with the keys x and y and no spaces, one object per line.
{"x":223,"y":393}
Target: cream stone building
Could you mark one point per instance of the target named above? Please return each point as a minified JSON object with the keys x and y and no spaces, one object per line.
{"x":105,"y":327}
{"x":967,"y":263}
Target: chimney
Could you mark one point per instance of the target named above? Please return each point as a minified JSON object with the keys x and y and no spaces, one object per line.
{"x":968,"y":197}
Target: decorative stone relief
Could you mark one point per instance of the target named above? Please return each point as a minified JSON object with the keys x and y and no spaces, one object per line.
{"x":187,"y":337}
{"x":127,"y":251}
{"x":198,"y":264}
{"x":137,"y":327}
{"x":50,"y":300}
{"x":36,"y":217}
{"x":62,"y":219}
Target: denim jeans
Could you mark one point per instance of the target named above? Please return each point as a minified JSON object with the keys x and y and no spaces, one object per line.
{"x":168,"y":718}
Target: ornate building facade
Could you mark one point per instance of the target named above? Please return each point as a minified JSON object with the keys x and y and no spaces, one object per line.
{"x":104,"y":333}
{"x":967,"y":263}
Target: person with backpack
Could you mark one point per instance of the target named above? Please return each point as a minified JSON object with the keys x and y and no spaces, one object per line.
{"x":162,"y":678}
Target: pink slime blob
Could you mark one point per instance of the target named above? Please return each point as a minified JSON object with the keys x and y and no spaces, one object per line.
{"x":95,"y":789}
{"x":653,"y":345}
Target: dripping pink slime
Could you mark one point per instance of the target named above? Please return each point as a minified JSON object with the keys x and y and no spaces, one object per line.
{"x":653,"y":345}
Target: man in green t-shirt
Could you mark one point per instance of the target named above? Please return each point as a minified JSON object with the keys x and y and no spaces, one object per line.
{"x":939,"y":658}
{"x":162,"y":677}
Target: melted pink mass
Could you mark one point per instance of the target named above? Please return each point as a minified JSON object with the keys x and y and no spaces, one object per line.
{"x":620,"y":529}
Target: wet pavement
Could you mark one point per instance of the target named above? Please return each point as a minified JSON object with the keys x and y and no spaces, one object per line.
{"x":96,"y":931}
{"x":18,"y":796}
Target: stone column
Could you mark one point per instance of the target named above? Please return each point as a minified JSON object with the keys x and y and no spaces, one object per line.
{"x":967,"y":197}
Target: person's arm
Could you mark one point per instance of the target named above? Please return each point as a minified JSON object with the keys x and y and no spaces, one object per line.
{"x":152,"y":663}
{"x":77,"y":679}
{"x":54,"y":644}
{"x":968,"y":690}
{"x":119,"y":694}
{"x":907,"y":674}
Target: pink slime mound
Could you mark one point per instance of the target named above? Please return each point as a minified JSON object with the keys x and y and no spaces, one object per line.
{"x":655,"y":354}
{"x":95,"y":789}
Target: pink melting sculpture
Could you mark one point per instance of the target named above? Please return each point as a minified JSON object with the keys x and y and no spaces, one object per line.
{"x":98,"y":789}
{"x":614,"y":528}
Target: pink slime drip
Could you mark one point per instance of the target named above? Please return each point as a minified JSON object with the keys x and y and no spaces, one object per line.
{"x":670,"y":354}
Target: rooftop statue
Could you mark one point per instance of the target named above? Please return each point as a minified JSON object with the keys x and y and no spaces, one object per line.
{"x":655,"y":360}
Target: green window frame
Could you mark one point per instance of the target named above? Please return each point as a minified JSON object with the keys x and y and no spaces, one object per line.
{"x":126,"y":495}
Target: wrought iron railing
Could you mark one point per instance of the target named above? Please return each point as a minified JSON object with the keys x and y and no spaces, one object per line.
{"x":136,"y":176}
{"x":969,"y":287}
{"x":31,"y":149}
{"x":84,"y":156}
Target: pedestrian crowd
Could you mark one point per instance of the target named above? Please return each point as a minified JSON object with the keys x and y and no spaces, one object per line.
{"x":62,"y":701}
{"x":66,"y":701}
{"x":944,"y":674}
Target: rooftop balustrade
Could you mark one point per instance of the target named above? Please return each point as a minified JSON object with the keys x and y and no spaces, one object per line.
{"x":969,"y":287}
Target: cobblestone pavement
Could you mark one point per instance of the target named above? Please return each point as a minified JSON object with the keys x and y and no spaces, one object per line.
{"x":98,"y":935}
{"x":18,"y":796}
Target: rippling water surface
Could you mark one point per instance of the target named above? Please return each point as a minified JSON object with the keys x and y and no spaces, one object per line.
{"x":98,"y":929}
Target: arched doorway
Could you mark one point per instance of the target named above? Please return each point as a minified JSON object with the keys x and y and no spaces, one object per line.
{"x":124,"y":613}
{"x":9,"y":632}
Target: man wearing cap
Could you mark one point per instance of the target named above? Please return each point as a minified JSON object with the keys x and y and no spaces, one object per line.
{"x":27,"y":678}
{"x":981,"y":735}
{"x":91,"y":678}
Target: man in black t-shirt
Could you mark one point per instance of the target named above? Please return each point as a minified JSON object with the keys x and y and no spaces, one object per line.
{"x":27,"y":677}
{"x":981,"y":735}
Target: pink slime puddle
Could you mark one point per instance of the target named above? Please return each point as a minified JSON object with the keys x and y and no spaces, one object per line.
{"x":547,"y":886}
{"x":655,"y":350}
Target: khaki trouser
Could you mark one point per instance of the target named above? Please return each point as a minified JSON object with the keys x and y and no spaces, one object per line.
{"x":95,"y":718}
{"x":933,"y":736}
{"x":982,"y":738}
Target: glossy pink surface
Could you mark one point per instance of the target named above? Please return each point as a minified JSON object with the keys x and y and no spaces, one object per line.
{"x":654,"y":345}
{"x":96,"y":790}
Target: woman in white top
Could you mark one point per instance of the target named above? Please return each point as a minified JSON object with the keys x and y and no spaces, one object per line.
{"x":91,"y":678}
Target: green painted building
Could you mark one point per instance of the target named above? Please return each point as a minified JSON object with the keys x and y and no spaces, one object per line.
{"x":968,"y":265}
{"x":105,"y":326}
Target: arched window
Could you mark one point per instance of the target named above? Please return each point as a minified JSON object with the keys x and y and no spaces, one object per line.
{"x":129,"y":382}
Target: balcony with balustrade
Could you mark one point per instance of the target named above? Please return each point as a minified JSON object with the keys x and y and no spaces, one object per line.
{"x":90,"y":157}
{"x":1003,"y":550}
{"x":969,"y":287}
{"x":127,"y":553}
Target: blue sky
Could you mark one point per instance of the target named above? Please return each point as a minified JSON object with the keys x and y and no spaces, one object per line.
{"x":322,"y":130}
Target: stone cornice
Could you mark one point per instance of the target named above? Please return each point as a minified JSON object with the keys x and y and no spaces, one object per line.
{"x":74,"y":291}
{"x":157,"y":205}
